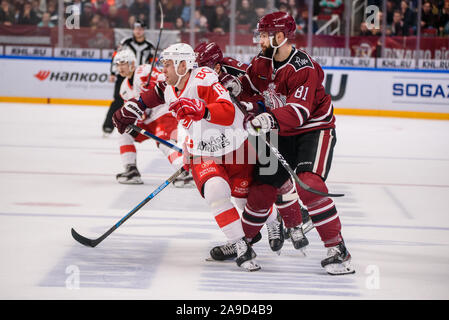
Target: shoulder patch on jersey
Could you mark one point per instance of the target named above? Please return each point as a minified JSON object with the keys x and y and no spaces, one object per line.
{"x":300,"y":60}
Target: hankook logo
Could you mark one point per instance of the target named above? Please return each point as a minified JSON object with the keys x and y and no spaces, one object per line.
{"x":43,"y":75}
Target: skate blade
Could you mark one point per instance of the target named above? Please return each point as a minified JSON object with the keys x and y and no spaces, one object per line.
{"x":210,"y":259}
{"x":132,"y":181}
{"x":307,"y":227}
{"x":337,"y":269}
{"x":183,"y":185}
{"x":250,"y":266}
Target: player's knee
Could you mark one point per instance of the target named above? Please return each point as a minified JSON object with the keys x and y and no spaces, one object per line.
{"x":240,"y":203}
{"x":216,"y":191}
{"x":314,"y":181}
{"x":261,"y":196}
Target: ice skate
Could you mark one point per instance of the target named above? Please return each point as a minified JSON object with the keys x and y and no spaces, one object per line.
{"x":338,"y":260}
{"x":297,"y":237}
{"x":228,"y":251}
{"x":307,"y":225}
{"x":276,"y":235}
{"x":130,"y":176}
{"x":246,"y":255}
{"x":184,"y":180}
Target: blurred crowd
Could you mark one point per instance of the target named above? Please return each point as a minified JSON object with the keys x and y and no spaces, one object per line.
{"x":213,"y":15}
{"x":402,"y":16}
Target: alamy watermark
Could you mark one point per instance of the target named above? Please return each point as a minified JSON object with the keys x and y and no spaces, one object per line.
{"x":73,"y":19}
{"x":72,"y":282}
{"x":372,"y":281}
{"x":372,"y":17}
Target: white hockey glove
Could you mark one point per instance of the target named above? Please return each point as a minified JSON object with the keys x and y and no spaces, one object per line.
{"x":261,"y":124}
{"x":231,"y":83}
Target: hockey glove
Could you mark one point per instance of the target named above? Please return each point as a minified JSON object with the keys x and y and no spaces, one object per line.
{"x":231,"y":83}
{"x":260,"y":124}
{"x":189,"y":109}
{"x":131,"y":111}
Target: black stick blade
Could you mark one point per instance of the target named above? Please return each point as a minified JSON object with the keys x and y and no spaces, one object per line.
{"x":83,"y":240}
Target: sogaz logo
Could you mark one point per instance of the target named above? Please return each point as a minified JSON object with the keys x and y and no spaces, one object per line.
{"x":421,"y":90}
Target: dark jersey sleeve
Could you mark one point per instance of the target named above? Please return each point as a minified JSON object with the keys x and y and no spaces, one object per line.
{"x":154,"y":96}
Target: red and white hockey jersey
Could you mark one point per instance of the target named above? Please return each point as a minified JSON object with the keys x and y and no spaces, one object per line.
{"x":133,"y":88}
{"x":223,"y":132}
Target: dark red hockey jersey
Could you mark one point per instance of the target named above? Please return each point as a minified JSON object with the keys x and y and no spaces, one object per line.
{"x":294,"y":93}
{"x":234,"y":67}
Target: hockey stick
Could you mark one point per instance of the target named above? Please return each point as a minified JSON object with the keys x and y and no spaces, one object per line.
{"x":150,"y":135}
{"x":161,"y":27}
{"x":284,"y":162}
{"x":94,"y":242}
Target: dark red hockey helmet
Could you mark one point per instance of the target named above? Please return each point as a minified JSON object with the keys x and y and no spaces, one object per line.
{"x":277,"y":22}
{"x":208,"y":54}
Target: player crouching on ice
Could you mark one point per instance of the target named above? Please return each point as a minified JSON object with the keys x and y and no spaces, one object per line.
{"x":159,"y":121}
{"x":216,"y":138}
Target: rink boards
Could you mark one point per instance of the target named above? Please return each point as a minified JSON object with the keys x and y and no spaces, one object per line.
{"x":354,"y":90}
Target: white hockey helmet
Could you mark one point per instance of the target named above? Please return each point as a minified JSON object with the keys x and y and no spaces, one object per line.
{"x":125,"y":56}
{"x":180,"y":52}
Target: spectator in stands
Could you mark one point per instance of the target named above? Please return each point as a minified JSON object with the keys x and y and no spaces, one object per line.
{"x":328,"y":6}
{"x":131,"y":21}
{"x":95,"y":21}
{"x":180,"y":24}
{"x":36,"y":8}
{"x":101,"y":7}
{"x":221,"y":22}
{"x":171,"y":11}
{"x":201,"y":24}
{"x":443,"y":24}
{"x":428,"y":19}
{"x":27,"y":15}
{"x":390,"y":12}
{"x":45,"y":22}
{"x":52,"y":7}
{"x":283,"y":7}
{"x":244,"y":12}
{"x":87,"y":15}
{"x":294,"y":8}
{"x":185,"y":11}
{"x":115,"y":21}
{"x":260,"y":12}
{"x":208,"y":10}
{"x":408,"y":17}
{"x":123,"y":3}
{"x":302,"y":23}
{"x":364,"y":31}
{"x":140,"y":10}
{"x":397,"y":26}
{"x":7,"y":15}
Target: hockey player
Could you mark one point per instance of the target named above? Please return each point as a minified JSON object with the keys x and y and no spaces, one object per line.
{"x":159,"y":121}
{"x":215,"y":138}
{"x":228,"y":69}
{"x":298,"y":107}
{"x":144,"y":51}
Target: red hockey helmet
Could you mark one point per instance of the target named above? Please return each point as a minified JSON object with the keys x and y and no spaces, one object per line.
{"x":208,"y":54}
{"x":277,"y":22}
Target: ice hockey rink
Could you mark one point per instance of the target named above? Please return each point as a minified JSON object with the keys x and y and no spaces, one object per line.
{"x":58,"y":172}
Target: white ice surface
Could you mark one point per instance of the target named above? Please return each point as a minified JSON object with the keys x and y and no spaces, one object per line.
{"x":57,"y":172}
